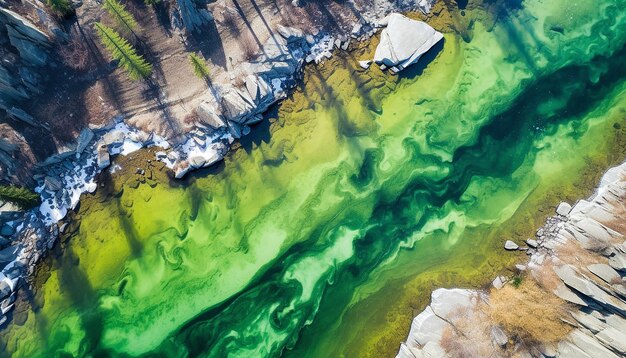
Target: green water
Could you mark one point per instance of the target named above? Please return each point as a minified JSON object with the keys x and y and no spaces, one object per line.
{"x":324,"y":234}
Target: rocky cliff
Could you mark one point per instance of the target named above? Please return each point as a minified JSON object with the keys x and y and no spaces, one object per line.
{"x":25,"y":56}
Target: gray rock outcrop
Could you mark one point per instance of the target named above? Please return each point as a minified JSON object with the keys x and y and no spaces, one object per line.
{"x":587,"y":254}
{"x":404,"y":41}
{"x":26,"y":49}
{"x":24,"y":54}
{"x":190,"y":17}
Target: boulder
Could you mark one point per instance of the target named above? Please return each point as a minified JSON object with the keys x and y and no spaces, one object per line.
{"x":197,"y":161}
{"x":563,"y":209}
{"x":616,"y":322}
{"x":235,"y":129}
{"x":614,"y":339}
{"x":181,"y":170}
{"x":532,"y":243}
{"x":365,"y":64}
{"x":259,"y":90}
{"x":7,"y":230}
{"x":7,"y":304}
{"x":253,"y":120}
{"x":192,"y":18}
{"x":588,"y":321}
{"x":499,"y":337}
{"x":510,"y":245}
{"x":498,"y":282}
{"x":85,"y":137}
{"x":237,"y":106}
{"x":31,"y":43}
{"x":9,"y":254}
{"x":594,"y":229}
{"x":548,"y":350}
{"x":426,"y":327}
{"x":53,"y":184}
{"x":208,"y":114}
{"x":588,"y":288}
{"x":20,"y":115}
{"x":446,"y":303}
{"x":404,"y":41}
{"x":587,"y":344}
{"x":605,"y":272}
{"x":103,"y":158}
{"x":113,"y":137}
{"x":289,"y":33}
{"x":618,"y":262}
{"x":56,"y":158}
{"x":5,"y":288}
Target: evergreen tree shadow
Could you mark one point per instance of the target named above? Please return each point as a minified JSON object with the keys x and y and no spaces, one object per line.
{"x":208,"y":42}
{"x":76,"y":286}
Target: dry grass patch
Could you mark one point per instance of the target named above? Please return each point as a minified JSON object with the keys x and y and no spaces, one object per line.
{"x":619,"y":211}
{"x":529,"y":313}
{"x":249,"y":46}
{"x":546,"y":278}
{"x":75,"y":54}
{"x":470,"y":336}
{"x":574,"y":254}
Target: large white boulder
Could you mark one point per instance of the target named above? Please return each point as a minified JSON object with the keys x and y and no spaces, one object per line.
{"x":208,"y":114}
{"x":404,"y":41}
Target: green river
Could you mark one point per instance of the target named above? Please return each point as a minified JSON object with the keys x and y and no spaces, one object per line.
{"x":325,"y":232}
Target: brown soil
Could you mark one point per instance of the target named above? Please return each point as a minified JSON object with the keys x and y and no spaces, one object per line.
{"x":88,"y":91}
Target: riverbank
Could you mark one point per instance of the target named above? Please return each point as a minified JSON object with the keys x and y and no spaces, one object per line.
{"x":575,"y":271}
{"x":68,"y":175}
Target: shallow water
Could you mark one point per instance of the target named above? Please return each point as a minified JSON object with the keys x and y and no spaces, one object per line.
{"x":324,"y":234}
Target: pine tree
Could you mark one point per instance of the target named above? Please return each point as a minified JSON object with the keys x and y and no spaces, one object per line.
{"x":124,"y":19}
{"x":22,"y":197}
{"x":63,"y":7}
{"x":136,"y":66}
{"x":199,"y":65}
{"x":151,"y":2}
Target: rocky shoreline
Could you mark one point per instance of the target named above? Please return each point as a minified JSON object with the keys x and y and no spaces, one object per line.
{"x":578,"y":257}
{"x":66,"y":176}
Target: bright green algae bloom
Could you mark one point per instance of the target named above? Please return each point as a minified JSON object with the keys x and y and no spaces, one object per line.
{"x":297,"y":242}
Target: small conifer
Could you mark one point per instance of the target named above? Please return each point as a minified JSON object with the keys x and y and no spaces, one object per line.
{"x":136,"y":66}
{"x":22,"y":197}
{"x":62,"y":7}
{"x":199,"y":65}
{"x":123,"y":19}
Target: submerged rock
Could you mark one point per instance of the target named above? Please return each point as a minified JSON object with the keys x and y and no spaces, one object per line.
{"x":365,"y":64}
{"x":510,"y":245}
{"x":404,"y":41}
